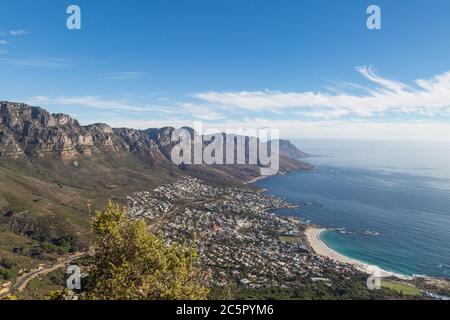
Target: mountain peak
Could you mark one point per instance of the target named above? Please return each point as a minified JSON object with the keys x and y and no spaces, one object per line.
{"x":288,"y":149}
{"x":32,"y":132}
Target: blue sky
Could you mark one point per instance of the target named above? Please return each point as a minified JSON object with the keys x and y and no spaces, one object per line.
{"x":309,"y":68}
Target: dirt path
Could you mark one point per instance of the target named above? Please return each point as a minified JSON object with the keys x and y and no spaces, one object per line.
{"x":24,"y":279}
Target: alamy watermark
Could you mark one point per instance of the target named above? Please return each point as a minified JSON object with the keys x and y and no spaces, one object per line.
{"x":374,"y":281}
{"x":73,"y":22}
{"x":231,"y":147}
{"x":74,"y":280}
{"x":374,"y":20}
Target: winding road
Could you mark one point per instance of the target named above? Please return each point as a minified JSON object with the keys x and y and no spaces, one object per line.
{"x":24,"y":279}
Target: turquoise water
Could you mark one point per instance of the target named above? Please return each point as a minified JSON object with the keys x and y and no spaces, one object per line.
{"x":395,"y":217}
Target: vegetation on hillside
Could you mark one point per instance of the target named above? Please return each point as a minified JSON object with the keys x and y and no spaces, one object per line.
{"x":402,"y":288}
{"x":132,"y":264}
{"x":342,"y":288}
{"x":8,"y":269}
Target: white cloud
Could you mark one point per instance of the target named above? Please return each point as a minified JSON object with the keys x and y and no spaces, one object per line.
{"x":143,"y":124}
{"x":85,"y":101}
{"x":40,"y":62}
{"x":17,"y":33}
{"x":296,"y":129}
{"x":3,"y":42}
{"x":177,"y":110}
{"x":320,"y":114}
{"x":348,"y":130}
{"x":201,"y":112}
{"x":370,"y":74}
{"x":326,"y":114}
{"x":186,"y":110}
{"x":122,"y":76}
{"x":430,"y":96}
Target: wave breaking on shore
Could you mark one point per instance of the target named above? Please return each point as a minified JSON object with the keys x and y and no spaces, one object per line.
{"x":321,"y":249}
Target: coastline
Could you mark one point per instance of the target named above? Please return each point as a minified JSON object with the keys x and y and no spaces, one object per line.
{"x":321,"y":249}
{"x":313,"y":233}
{"x":256,"y":179}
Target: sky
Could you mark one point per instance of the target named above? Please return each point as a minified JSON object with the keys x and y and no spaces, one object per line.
{"x":310,"y":68}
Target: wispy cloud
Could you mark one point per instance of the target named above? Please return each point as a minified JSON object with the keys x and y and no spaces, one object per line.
{"x":297,"y":129}
{"x":38,"y":62}
{"x":143,"y":124}
{"x":348,"y":130}
{"x":17,"y":33}
{"x":182,"y":110}
{"x":174,"y":110}
{"x":85,"y":101}
{"x":201,"y":112}
{"x":425,"y":96}
{"x":122,"y":76}
{"x":3,"y":42}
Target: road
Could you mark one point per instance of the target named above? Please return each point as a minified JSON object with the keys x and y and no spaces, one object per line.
{"x":24,"y":279}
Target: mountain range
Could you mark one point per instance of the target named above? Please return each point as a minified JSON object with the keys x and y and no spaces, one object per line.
{"x":54,"y":172}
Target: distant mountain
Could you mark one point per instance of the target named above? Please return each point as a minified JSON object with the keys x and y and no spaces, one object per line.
{"x":53,"y":171}
{"x":290,"y":150}
{"x":32,"y":133}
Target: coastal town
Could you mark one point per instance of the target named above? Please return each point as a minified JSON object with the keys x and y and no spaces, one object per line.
{"x":239,"y":237}
{"x":245,"y":245}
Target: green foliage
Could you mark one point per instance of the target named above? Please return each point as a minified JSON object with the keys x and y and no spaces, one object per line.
{"x":57,"y":295}
{"x":7,"y":263}
{"x":402,"y":288}
{"x":68,"y":243}
{"x":8,"y":274}
{"x":132,"y":264}
{"x":63,"y":245}
{"x":39,"y":287}
{"x":8,"y":269}
{"x":339,"y":288}
{"x":289,"y":239}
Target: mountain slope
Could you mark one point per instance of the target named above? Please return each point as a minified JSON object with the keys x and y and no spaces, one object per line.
{"x":289,"y":150}
{"x":53,"y":171}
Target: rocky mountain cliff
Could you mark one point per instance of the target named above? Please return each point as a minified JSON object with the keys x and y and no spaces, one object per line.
{"x":55,"y":172}
{"x":30,"y":132}
{"x":291,"y":151}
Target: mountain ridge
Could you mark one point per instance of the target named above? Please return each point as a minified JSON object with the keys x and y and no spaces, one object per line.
{"x":27,"y":131}
{"x":51,"y":166}
{"x":54,"y":173}
{"x":288,"y":149}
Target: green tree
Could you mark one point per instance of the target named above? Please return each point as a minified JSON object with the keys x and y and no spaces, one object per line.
{"x":57,"y":294}
{"x":132,"y":264}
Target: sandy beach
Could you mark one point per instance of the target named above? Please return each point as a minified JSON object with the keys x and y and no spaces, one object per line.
{"x":256,"y":179}
{"x":320,"y":248}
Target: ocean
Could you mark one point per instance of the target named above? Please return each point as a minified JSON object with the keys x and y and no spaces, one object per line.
{"x":387,"y":203}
